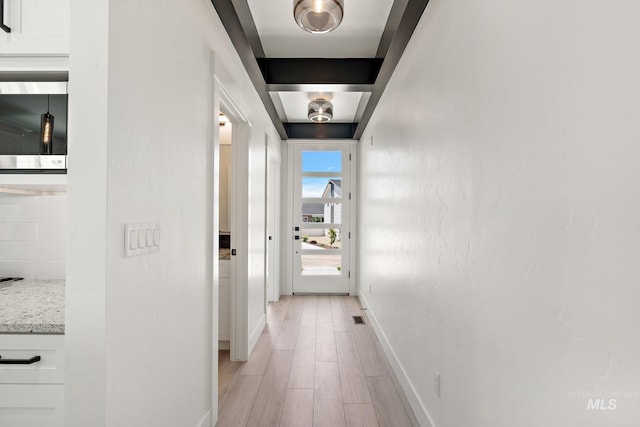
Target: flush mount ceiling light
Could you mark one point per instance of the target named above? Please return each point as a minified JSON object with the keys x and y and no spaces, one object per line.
{"x":318,"y":16}
{"x":320,"y":111}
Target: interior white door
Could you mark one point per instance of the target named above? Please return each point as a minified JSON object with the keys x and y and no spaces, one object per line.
{"x":273,"y":198}
{"x":321,"y":207}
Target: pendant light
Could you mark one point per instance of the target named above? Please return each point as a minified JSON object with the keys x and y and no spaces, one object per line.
{"x":320,"y":111}
{"x":46,"y":130}
{"x":318,"y":16}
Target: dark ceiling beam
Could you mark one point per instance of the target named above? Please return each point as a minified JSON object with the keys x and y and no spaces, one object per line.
{"x":249,"y":27}
{"x":393,"y":23}
{"x":233,"y":25}
{"x":410,"y":18}
{"x":301,"y":87}
{"x":326,"y":71}
{"x":320,"y":130}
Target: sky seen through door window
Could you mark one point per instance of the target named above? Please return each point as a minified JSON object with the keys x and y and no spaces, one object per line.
{"x":319,"y":161}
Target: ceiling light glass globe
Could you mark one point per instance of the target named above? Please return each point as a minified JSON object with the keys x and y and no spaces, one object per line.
{"x":320,"y":111}
{"x":318,"y":16}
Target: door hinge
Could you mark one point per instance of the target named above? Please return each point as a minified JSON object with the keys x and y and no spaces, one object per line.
{"x":349,"y":234}
{"x":349,"y":157}
{"x":349,"y":196}
{"x":349,"y":274}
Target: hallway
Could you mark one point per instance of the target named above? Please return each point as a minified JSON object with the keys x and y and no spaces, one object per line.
{"x":313,"y":366}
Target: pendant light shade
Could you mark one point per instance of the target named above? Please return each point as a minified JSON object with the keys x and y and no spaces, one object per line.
{"x":46,"y":131}
{"x":320,"y":111}
{"x":318,"y":16}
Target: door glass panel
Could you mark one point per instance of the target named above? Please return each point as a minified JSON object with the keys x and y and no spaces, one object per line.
{"x":322,"y":187}
{"x":321,"y":161}
{"x":321,"y":239}
{"x":322,"y":213}
{"x":321,"y":264}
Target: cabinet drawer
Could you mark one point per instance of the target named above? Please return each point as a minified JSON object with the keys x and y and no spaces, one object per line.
{"x":49,"y":370}
{"x":225,"y":268}
{"x":24,"y":405}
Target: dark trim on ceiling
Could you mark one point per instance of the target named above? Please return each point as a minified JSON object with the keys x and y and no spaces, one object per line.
{"x":283,"y":71}
{"x":298,"y":87}
{"x":285,"y":74}
{"x":393,"y":23}
{"x":249,"y":26}
{"x":320,"y":130}
{"x":233,"y":26}
{"x":410,"y":18}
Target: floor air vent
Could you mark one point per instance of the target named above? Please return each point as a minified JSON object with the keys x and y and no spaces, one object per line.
{"x":358,"y":320}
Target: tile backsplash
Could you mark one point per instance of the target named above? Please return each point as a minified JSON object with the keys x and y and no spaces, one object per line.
{"x":32,"y":236}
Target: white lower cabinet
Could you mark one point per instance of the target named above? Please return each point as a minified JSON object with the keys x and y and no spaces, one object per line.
{"x":224,"y":305}
{"x":32,"y":395}
{"x":28,"y":405}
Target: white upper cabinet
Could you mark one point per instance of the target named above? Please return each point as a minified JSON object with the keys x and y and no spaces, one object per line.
{"x":38,"y":27}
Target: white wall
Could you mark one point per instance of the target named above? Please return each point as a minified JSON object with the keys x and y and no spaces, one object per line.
{"x":140,"y":331}
{"x":500,"y":214}
{"x":32,"y":236}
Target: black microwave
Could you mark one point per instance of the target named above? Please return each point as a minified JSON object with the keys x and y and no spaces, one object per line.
{"x":33,"y":118}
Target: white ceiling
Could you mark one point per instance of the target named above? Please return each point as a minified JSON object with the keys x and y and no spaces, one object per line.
{"x":345,"y":105}
{"x":357,"y":36}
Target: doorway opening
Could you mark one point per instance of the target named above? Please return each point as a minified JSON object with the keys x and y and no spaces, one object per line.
{"x":224,"y":232}
{"x":321,"y":218}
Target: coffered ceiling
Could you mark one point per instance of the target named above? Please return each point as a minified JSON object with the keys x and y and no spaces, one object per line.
{"x":349,"y":66}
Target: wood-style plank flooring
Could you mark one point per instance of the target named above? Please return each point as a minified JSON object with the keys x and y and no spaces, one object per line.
{"x":313,"y":366}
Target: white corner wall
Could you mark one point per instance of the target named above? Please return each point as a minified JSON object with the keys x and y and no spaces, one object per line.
{"x":499,"y":214}
{"x":140,"y":330}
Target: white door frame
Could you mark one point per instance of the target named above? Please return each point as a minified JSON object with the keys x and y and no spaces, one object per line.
{"x":221,"y":100}
{"x":239,"y":201}
{"x":290,"y":201}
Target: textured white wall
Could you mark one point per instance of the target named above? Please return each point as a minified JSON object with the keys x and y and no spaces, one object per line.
{"x":32,"y":236}
{"x":140,"y":329}
{"x":500,"y":214}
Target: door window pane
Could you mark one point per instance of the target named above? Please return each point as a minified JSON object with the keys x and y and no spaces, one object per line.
{"x":322,"y":187}
{"x":322,"y":213}
{"x":321,"y":161}
{"x":321,"y":239}
{"x":321,"y":265}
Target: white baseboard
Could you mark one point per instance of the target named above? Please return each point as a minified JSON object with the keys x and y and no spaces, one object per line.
{"x":255,"y":335}
{"x":418,"y":407}
{"x":206,"y":420}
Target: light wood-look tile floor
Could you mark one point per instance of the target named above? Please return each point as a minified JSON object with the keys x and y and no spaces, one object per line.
{"x":312,"y":366}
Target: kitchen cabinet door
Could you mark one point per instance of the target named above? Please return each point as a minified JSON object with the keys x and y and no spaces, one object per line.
{"x":38,"y":27}
{"x":224,"y":313}
{"x":32,"y":395}
{"x":30,"y":406}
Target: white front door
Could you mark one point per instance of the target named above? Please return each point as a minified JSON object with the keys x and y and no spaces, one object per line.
{"x":321,"y":212}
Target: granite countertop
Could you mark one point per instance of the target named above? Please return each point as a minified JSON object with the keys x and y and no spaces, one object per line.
{"x":224,"y":254}
{"x":32,"y":307}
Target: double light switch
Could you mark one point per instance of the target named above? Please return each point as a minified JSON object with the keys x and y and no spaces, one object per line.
{"x":141,"y":239}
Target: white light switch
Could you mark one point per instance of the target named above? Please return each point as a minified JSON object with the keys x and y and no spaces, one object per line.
{"x":141,"y":239}
{"x":133,"y":239}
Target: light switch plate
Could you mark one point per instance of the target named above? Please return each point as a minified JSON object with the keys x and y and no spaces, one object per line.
{"x":140,"y":239}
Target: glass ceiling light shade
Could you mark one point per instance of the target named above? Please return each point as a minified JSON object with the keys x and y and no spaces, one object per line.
{"x":318,"y":16}
{"x":320,"y":111}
